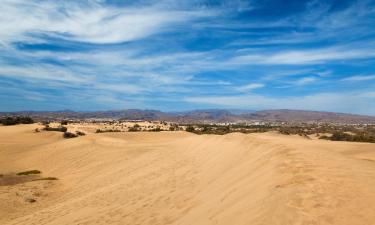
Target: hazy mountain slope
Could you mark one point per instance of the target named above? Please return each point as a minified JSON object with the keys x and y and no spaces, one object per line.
{"x":306,"y":116}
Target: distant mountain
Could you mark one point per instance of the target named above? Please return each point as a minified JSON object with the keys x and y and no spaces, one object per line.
{"x":204,"y":116}
{"x":209,"y":115}
{"x":307,"y":116}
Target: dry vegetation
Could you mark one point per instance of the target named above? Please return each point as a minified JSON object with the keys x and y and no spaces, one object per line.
{"x":8,"y":121}
{"x":353,"y":133}
{"x":22,"y":177}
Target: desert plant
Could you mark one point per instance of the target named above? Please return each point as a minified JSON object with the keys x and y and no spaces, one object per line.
{"x":157,"y":129}
{"x":69,"y":135}
{"x":29,"y":172}
{"x":135,"y":128}
{"x":7,"y":121}
{"x":80,"y":133}
{"x":190,"y":129}
{"x":45,"y":123}
{"x":46,"y":178}
{"x":60,"y":129}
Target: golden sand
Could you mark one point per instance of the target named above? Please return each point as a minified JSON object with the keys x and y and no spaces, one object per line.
{"x":182,"y":178}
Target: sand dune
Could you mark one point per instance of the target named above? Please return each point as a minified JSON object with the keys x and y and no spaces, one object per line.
{"x":182,"y":178}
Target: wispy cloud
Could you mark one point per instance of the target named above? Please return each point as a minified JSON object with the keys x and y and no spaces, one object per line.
{"x":86,"y":21}
{"x":304,"y":81}
{"x":250,"y":87}
{"x":304,"y":57}
{"x":360,"y":78}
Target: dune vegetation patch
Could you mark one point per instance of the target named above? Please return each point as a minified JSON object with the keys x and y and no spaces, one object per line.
{"x":352,"y":133}
{"x":8,"y":121}
{"x":46,"y":178}
{"x":29,"y":172}
{"x":73,"y":135}
{"x":59,"y":129}
{"x":13,"y":179}
{"x":22,"y":177}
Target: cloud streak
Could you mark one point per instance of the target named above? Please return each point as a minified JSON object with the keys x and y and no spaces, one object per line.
{"x":87,"y":21}
{"x":360,"y":78}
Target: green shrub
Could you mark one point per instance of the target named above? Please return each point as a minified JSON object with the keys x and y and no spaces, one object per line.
{"x":107,"y":131}
{"x":190,"y":129}
{"x":360,"y":137}
{"x":8,"y":121}
{"x":135,"y":128}
{"x":60,"y":129}
{"x":157,"y":129}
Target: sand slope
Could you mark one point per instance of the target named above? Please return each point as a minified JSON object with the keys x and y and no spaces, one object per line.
{"x":182,"y":178}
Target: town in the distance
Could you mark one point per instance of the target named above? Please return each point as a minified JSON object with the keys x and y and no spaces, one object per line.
{"x":308,"y":124}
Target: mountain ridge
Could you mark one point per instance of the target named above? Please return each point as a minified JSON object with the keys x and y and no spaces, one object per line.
{"x":203,"y":115}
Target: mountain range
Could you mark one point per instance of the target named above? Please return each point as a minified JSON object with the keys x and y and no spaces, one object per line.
{"x":202,"y":116}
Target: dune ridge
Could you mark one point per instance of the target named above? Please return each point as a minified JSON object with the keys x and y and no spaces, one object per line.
{"x":182,"y":178}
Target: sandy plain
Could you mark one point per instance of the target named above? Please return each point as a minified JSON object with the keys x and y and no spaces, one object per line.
{"x":182,"y":178}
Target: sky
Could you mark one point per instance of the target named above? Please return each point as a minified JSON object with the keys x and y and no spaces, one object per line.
{"x":176,"y":55}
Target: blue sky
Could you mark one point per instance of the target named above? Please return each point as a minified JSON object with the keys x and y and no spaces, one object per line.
{"x":176,"y":55}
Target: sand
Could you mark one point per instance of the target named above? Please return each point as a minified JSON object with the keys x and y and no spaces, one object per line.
{"x":183,"y":178}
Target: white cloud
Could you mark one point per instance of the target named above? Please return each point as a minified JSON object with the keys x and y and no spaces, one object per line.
{"x":303,"y":57}
{"x":42,"y":72}
{"x":304,"y":81}
{"x":120,"y":88}
{"x":86,"y":22}
{"x":250,"y":87}
{"x":359,"y":78}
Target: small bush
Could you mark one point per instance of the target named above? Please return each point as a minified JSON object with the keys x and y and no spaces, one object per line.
{"x":29,"y":172}
{"x":80,"y":133}
{"x":69,"y":135}
{"x":45,"y":123}
{"x":64,"y":122}
{"x":325,"y":137}
{"x":190,"y":129}
{"x":46,"y":178}
{"x":30,"y":200}
{"x":107,"y":131}
{"x":157,"y":129}
{"x":60,"y":129}
{"x":135,"y":128}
